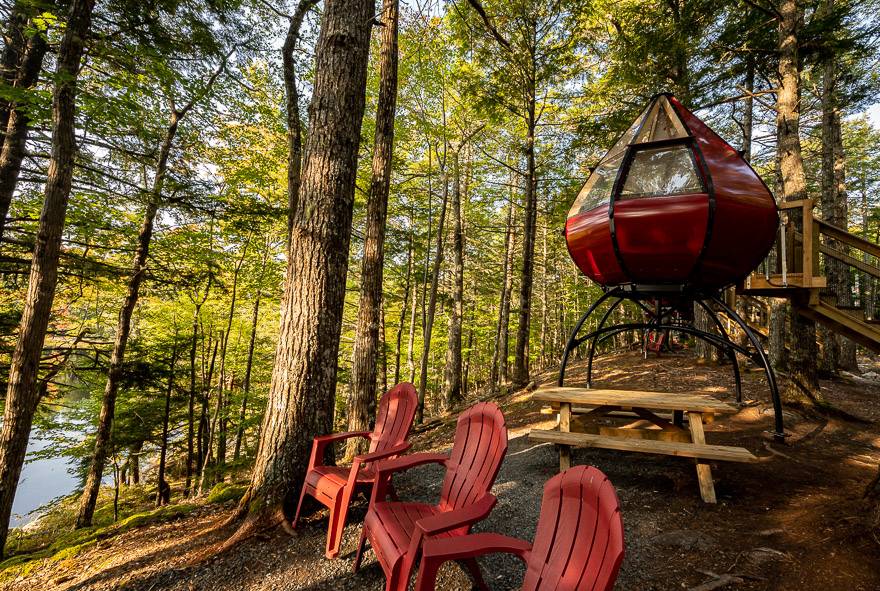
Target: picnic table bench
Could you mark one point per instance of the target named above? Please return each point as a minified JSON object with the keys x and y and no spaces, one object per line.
{"x":584,"y":415}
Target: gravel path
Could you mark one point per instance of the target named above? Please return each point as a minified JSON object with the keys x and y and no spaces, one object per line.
{"x":786,"y":523}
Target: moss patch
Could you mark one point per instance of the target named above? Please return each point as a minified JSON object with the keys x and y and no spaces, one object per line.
{"x":226,"y":491}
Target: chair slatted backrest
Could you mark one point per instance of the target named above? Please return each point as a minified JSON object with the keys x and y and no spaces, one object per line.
{"x":394,"y":419}
{"x":479,"y":447}
{"x":579,"y":542}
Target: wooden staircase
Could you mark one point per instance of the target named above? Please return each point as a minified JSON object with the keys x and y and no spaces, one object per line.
{"x":806,"y":251}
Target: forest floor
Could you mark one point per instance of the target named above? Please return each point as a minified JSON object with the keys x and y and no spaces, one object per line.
{"x":795,"y":520}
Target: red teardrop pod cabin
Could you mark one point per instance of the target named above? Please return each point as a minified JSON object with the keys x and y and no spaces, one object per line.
{"x":671,"y":205}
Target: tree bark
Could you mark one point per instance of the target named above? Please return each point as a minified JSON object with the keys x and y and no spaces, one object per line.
{"x":502,"y":332}
{"x":803,"y":371}
{"x":407,"y":287}
{"x":123,"y":329}
{"x":291,"y":92}
{"x":834,"y":270}
{"x":22,"y":389}
{"x":847,"y":359}
{"x":523,"y":331}
{"x":190,"y":435}
{"x":204,"y":432}
{"x":410,"y":342}
{"x":452,"y":394}
{"x":428,"y":325}
{"x":362,"y":397}
{"x":249,"y":363}
{"x":748,"y":112}
{"x":14,"y":39}
{"x":301,"y":397}
{"x":163,"y":494}
{"x":218,"y":422}
{"x":18,"y":125}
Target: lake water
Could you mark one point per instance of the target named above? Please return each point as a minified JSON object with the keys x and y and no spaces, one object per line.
{"x":41,"y":481}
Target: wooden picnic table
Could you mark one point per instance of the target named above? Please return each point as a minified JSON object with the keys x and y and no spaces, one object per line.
{"x":589,"y":411}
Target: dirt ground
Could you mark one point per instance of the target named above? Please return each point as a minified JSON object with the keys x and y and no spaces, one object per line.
{"x":793,"y":521}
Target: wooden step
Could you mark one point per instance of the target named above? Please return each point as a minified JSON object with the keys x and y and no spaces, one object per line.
{"x":724,"y":453}
{"x":864,"y":333}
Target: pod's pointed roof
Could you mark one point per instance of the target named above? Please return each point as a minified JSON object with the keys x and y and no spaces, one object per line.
{"x":664,"y":123}
{"x":659,"y":121}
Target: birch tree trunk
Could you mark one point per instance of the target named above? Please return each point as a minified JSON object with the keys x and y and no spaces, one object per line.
{"x":22,"y":390}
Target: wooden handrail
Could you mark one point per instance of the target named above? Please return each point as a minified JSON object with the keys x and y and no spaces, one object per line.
{"x":852,"y":240}
{"x":852,"y":261}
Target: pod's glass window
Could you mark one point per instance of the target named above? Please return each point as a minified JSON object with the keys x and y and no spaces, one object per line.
{"x":655,"y":172}
{"x":597,"y":189}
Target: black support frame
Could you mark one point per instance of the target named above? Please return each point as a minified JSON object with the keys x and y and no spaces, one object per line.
{"x":660,"y":320}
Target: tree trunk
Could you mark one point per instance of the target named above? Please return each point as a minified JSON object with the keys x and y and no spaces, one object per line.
{"x":407,"y":285}
{"x":204,"y":431}
{"x":428,"y":325}
{"x":542,"y":356}
{"x":18,"y":125}
{"x":452,"y":394}
{"x":847,"y":359}
{"x":835,"y":270}
{"x":362,"y":397}
{"x":466,"y":369}
{"x":835,"y":205}
{"x":15,"y":39}
{"x":502,"y":332}
{"x":218,"y":423}
{"x":383,"y":356}
{"x":291,"y":92}
{"x":301,"y":397}
{"x":748,"y":112}
{"x":521,"y":359}
{"x":249,"y":364}
{"x":123,"y":329}
{"x":22,"y":390}
{"x":705,"y":351}
{"x":163,"y":494}
{"x":134,"y":463}
{"x":410,"y":343}
{"x":804,"y":383}
{"x":190,"y":424}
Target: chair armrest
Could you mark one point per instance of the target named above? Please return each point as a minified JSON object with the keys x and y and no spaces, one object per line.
{"x":383,"y":455}
{"x":388,"y":467}
{"x":341,"y":436}
{"x":436,"y":551}
{"x":385,"y":468}
{"x":449,"y":520}
{"x":320,"y":443}
{"x":473,"y":545}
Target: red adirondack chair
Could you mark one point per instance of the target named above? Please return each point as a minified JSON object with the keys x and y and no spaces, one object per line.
{"x":578,"y":545}
{"x":334,"y":486}
{"x":396,"y":530}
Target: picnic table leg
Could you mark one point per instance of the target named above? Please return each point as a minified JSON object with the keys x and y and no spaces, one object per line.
{"x":565,"y":427}
{"x":704,"y":472}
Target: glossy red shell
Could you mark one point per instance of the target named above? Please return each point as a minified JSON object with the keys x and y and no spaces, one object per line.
{"x":698,"y":240}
